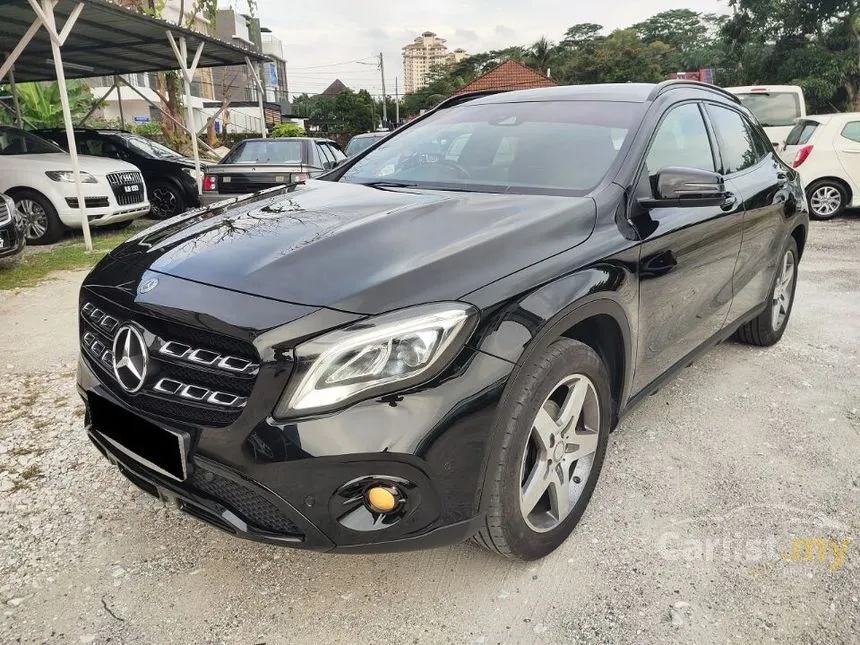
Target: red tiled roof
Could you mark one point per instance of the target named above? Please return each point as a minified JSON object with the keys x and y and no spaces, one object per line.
{"x":510,"y":75}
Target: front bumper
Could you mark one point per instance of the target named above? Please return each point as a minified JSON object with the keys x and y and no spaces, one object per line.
{"x":288,"y":483}
{"x":101,"y":205}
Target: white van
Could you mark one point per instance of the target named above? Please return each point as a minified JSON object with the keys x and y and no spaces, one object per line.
{"x":776,"y":107}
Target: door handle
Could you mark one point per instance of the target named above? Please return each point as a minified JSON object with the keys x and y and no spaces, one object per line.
{"x":729,"y":201}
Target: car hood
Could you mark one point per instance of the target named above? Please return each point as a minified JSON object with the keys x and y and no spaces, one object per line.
{"x":360,"y":249}
{"x":62,"y":161}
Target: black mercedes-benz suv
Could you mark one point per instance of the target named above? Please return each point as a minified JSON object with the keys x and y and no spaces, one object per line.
{"x":434,"y":341}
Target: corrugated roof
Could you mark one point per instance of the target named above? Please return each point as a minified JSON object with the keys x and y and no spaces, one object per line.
{"x":509,"y":75}
{"x":106,"y":40}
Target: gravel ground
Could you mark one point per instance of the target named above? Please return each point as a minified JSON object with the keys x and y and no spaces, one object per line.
{"x":688,"y":537}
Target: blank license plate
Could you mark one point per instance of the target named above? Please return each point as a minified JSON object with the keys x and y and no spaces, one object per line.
{"x":161,"y":450}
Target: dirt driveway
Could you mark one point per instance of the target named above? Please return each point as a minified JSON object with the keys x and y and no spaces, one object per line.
{"x":728,"y":511}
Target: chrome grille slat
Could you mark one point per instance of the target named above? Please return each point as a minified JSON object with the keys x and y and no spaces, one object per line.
{"x":98,"y":331}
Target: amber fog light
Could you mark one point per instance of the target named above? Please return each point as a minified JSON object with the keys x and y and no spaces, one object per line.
{"x":382,"y":499}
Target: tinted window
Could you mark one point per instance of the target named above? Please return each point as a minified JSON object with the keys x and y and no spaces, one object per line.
{"x":681,"y":140}
{"x":17,"y":142}
{"x":772,"y":108}
{"x":801,"y":133}
{"x":274,"y":151}
{"x":852,"y":131}
{"x":148,"y":148}
{"x":736,"y":141}
{"x":516,"y":147}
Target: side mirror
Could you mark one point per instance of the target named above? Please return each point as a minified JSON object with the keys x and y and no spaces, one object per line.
{"x":676,"y":187}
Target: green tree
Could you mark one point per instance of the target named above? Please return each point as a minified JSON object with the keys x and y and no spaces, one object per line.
{"x":41,"y":107}
{"x":288,"y":130}
{"x":541,"y":54}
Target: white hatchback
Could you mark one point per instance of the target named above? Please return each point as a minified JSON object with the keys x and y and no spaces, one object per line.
{"x":37,"y":175}
{"x":825,"y":149}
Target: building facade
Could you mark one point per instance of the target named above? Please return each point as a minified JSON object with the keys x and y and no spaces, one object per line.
{"x":422,"y":55}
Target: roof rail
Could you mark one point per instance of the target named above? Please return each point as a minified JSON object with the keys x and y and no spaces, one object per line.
{"x":674,"y":83}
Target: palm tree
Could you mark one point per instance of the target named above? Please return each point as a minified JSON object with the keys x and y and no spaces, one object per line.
{"x":541,"y":54}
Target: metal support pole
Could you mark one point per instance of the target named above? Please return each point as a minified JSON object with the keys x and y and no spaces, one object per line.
{"x":396,"y":104}
{"x":188,"y":72}
{"x":14,"y":88}
{"x":255,"y":75}
{"x":119,"y":100}
{"x":46,"y":13}
{"x":384,"y":108}
{"x":98,"y":103}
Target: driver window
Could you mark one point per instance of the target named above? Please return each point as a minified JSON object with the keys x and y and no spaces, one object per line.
{"x":681,"y":140}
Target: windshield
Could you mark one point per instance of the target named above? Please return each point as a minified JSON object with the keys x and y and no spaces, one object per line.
{"x":359,"y":144}
{"x":17,"y":142}
{"x":272,"y":151}
{"x":545,"y":147}
{"x":148,"y":148}
{"x":772,"y":108}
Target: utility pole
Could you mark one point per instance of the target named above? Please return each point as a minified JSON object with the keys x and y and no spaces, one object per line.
{"x":384,"y":108}
{"x":396,"y":104}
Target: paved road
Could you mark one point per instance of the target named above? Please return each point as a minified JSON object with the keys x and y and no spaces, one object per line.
{"x":688,"y":537}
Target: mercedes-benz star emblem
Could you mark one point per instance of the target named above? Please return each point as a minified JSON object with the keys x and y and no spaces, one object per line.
{"x":146,"y":287}
{"x":129,"y":358}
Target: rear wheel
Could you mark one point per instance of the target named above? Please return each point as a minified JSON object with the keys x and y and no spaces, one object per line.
{"x":43,"y":226}
{"x":827,"y":199}
{"x":166,"y":200}
{"x":770,"y":325}
{"x":552,"y":451}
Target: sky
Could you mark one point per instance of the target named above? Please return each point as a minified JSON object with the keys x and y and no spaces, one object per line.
{"x":322,"y":41}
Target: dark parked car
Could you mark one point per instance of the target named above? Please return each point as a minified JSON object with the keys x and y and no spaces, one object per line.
{"x":361,"y":142}
{"x":420,"y":349}
{"x":12,"y":233}
{"x":170,"y":177}
{"x":256,"y":164}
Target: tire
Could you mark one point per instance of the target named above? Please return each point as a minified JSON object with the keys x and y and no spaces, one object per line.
{"x":543,"y":388}
{"x":769,"y":326}
{"x":827,"y":199}
{"x":43,"y":224}
{"x":167,"y":200}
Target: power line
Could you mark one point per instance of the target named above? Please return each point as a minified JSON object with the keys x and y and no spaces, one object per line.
{"x":349,"y":62}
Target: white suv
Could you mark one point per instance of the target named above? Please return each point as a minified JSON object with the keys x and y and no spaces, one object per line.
{"x":38,"y":176}
{"x":825,"y":149}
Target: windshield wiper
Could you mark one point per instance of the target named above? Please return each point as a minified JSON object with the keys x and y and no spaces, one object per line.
{"x":388,"y":184}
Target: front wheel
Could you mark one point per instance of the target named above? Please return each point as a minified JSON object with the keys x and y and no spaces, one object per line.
{"x":769,"y":326}
{"x":166,"y":200}
{"x":553,"y":448}
{"x":42,"y":224}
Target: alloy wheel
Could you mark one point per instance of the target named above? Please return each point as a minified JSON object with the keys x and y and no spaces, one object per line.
{"x":825,"y":201}
{"x":560,"y":453}
{"x":35,"y":218}
{"x":783,"y":292}
{"x":163,"y":202}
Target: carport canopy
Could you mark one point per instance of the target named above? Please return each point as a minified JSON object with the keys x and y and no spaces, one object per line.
{"x":44,"y":40}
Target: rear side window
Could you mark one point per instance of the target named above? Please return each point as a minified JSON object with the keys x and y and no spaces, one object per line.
{"x":802,"y":132}
{"x":852,"y":131}
{"x":737,"y":145}
{"x":325,"y":155}
{"x":681,"y":140}
{"x":335,"y":152}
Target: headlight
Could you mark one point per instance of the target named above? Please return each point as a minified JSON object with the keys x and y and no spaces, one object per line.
{"x":375,"y":356}
{"x":69,"y":176}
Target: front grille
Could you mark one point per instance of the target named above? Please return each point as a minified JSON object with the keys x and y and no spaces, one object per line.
{"x":89,"y":202}
{"x":210,"y":392}
{"x":244,"y":502}
{"x":127,"y":187}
